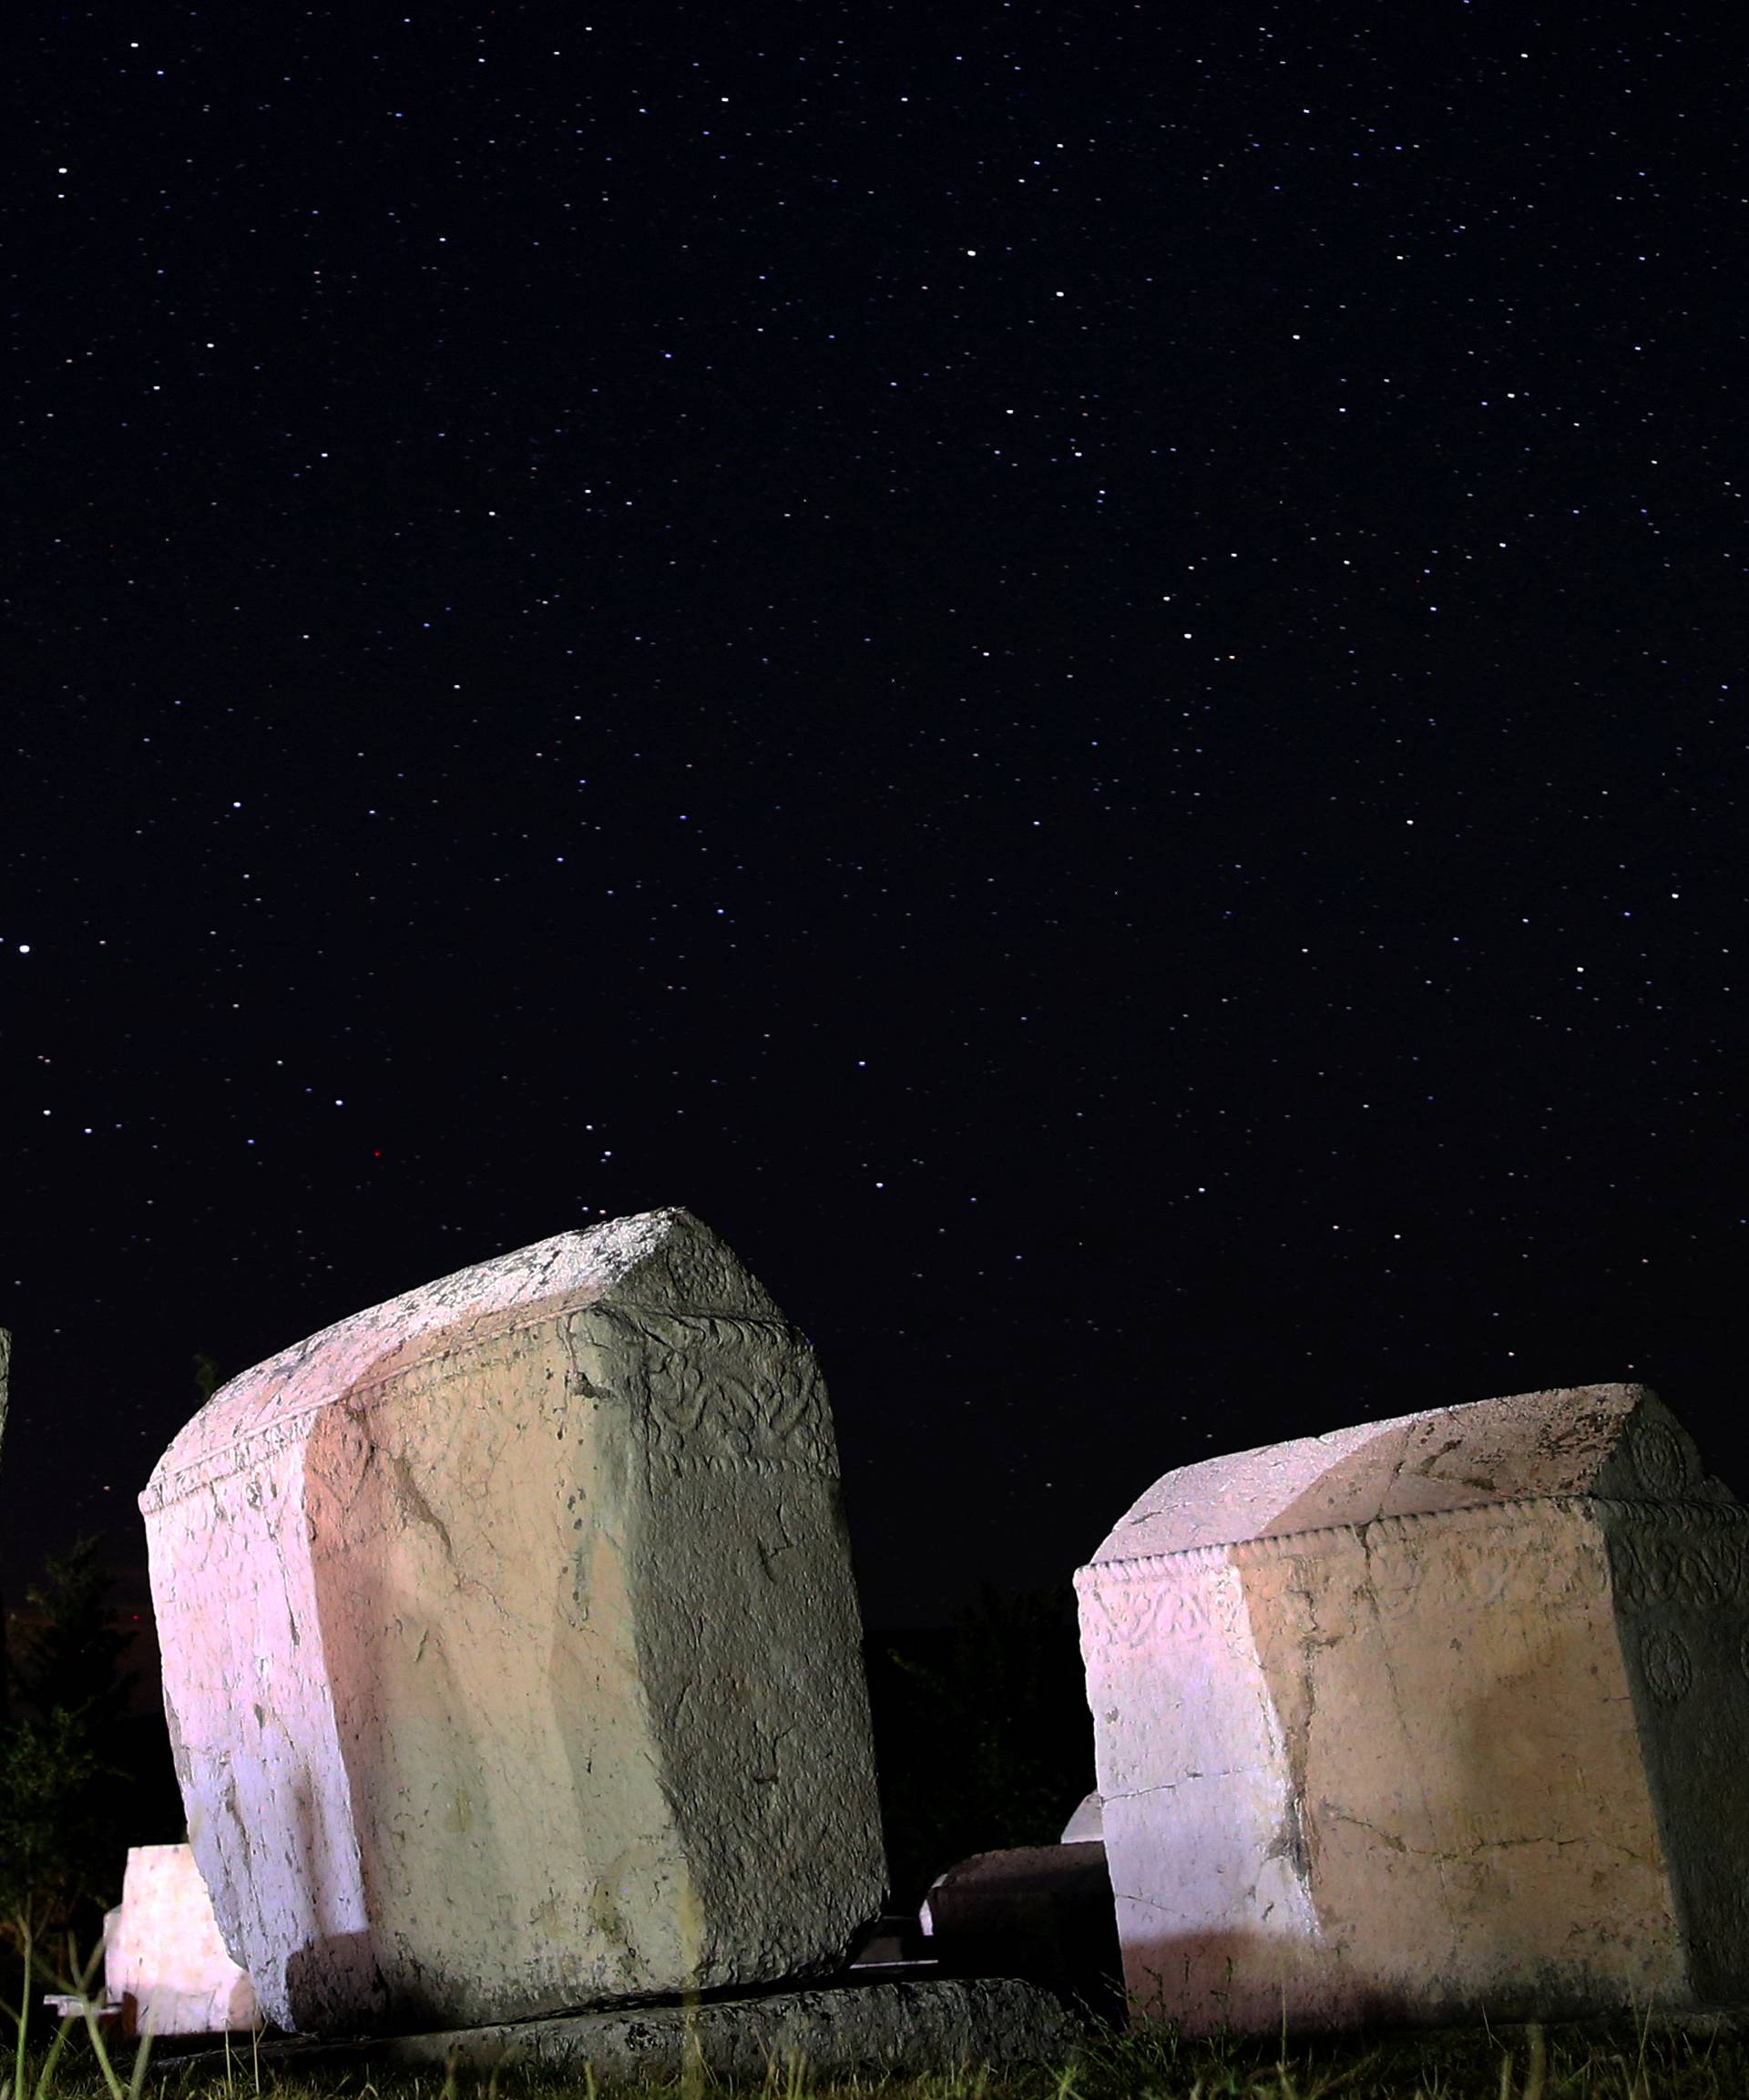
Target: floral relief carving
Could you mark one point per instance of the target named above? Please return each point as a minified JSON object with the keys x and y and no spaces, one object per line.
{"x":1668,"y":1667}
{"x":1658,"y":1459}
{"x":1121,"y":1614}
{"x":1698,"y":1568}
{"x":715,"y":1389}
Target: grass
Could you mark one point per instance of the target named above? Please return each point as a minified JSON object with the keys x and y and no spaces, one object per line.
{"x":35,"y":2073}
{"x":1639,"y":2060}
{"x":1642,"y":2062}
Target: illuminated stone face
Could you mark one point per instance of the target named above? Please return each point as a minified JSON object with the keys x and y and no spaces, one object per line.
{"x":164,"y":1962}
{"x":1429,"y":1718}
{"x":511,"y":1652}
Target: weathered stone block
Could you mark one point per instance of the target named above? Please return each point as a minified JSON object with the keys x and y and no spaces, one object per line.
{"x":1429,"y":1718}
{"x":511,"y":1653}
{"x":164,"y":1962}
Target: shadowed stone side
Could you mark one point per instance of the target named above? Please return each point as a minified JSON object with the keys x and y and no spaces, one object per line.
{"x":511,"y":1653}
{"x":1426,"y":1718}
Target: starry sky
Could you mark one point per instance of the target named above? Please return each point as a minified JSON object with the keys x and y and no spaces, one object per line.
{"x":1077,"y":669}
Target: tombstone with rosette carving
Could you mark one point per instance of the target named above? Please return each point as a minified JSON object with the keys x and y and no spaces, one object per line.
{"x":511,"y":1652}
{"x":1428,"y":1718}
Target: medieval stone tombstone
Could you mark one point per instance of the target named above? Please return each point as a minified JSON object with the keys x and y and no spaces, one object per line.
{"x":1429,"y":1718}
{"x":511,"y":1655}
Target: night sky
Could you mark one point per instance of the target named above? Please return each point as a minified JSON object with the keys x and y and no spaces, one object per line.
{"x":1077,"y":669}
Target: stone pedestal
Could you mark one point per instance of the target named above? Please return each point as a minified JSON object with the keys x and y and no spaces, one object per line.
{"x":856,"y":2035}
{"x":1429,"y":1718}
{"x":1040,"y":1912}
{"x":511,"y":1655}
{"x":164,"y":1963}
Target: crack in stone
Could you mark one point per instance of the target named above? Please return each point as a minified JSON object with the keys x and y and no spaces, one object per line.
{"x":1183,"y":1779}
{"x":1479,"y":1848}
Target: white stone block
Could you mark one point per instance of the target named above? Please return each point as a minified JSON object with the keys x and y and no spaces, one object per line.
{"x":511,"y":1652}
{"x":1429,"y":1718}
{"x":164,"y":1962}
{"x":1086,"y":1825}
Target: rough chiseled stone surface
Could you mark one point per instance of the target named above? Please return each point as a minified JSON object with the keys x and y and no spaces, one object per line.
{"x":164,"y":1962}
{"x":511,"y":1653}
{"x":1427,"y":1717}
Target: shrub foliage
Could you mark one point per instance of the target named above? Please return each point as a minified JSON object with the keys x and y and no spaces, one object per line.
{"x":62,"y":1766}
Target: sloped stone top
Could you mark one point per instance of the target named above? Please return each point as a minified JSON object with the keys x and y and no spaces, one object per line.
{"x":1594,"y":1440}
{"x":665,"y":1259}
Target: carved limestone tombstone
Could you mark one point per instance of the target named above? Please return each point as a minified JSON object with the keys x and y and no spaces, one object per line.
{"x":1429,"y":1718}
{"x":511,"y":1655}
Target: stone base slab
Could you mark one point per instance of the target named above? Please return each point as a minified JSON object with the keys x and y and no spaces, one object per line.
{"x":908,"y":2028}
